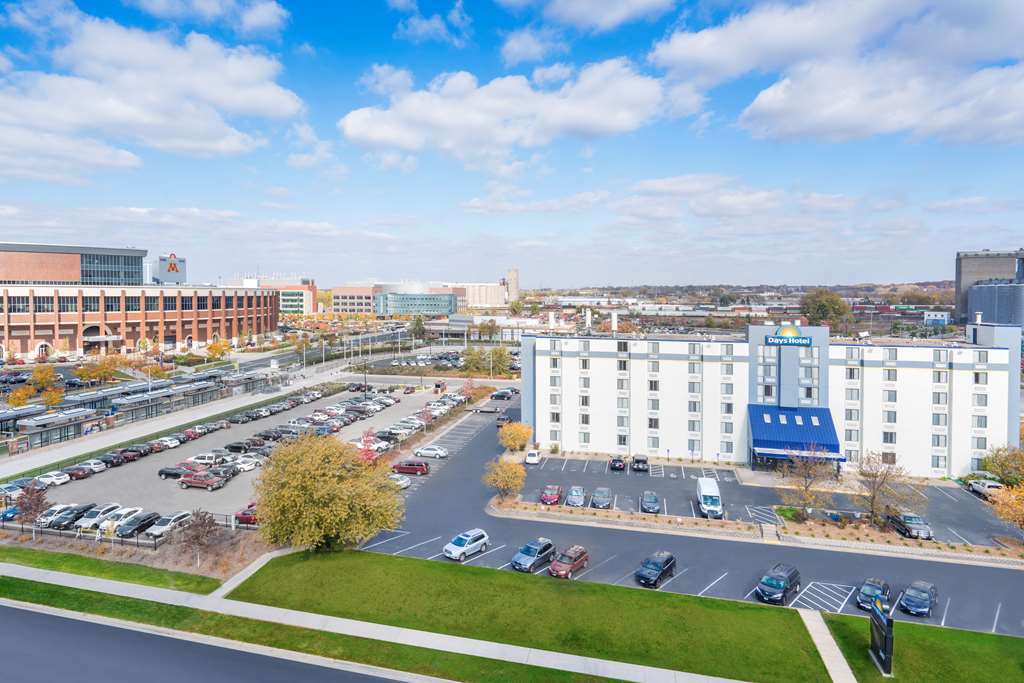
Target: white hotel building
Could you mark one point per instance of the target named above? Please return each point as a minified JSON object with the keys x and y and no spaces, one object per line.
{"x":779,"y":392}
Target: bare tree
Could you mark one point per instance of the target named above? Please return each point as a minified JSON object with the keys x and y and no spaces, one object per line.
{"x":31,"y":503}
{"x":804,"y":476}
{"x":198,"y":536}
{"x":885,"y":486}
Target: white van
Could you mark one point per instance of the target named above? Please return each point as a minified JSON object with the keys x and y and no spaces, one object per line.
{"x":708,"y":497}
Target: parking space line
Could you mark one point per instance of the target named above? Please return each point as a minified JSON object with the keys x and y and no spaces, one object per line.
{"x":809,"y":600}
{"x":585,"y":463}
{"x":386,"y":540}
{"x":947,"y":495}
{"x":665,"y":505}
{"x":587,"y":571}
{"x":707,"y":587}
{"x":944,"y":611}
{"x":616,"y":582}
{"x":953,"y":531}
{"x":543,"y":461}
{"x":397,"y":552}
{"x":484,"y":554}
{"x":747,"y":596}
{"x":673,"y":578}
{"x":995,"y":622}
{"x":917,"y":491}
{"x":606,"y":466}
{"x":615,"y":502}
{"x":504,"y":565}
{"x":564,"y":461}
{"x":692,"y":510}
{"x":544,"y":568}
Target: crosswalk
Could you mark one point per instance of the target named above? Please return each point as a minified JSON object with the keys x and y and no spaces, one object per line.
{"x":657,"y":470}
{"x":764,"y":514}
{"x":828,"y":597}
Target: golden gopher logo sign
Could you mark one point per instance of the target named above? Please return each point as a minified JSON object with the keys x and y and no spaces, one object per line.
{"x":172,"y":263}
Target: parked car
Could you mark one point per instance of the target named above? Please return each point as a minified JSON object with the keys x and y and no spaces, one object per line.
{"x":502,"y":420}
{"x":157,"y":446}
{"x":400,"y":480}
{"x":985,"y":488}
{"x":203,"y":480}
{"x":55,"y":478}
{"x":66,"y":519}
{"x":532,"y":457}
{"x":96,"y":466}
{"x":909,"y":524}
{"x":137,"y":524}
{"x":533,"y":555}
{"x":502,"y":395}
{"x":247,"y":463}
{"x":639,"y":463}
{"x":169,"y":523}
{"x":437,"y":452}
{"x":180,"y":470}
{"x":129,"y":454}
{"x":871,"y":590}
{"x":576,"y":497}
{"x":246,"y":516}
{"x":650,"y":503}
{"x":617,"y":463}
{"x":655,"y":569}
{"x":117,"y":517}
{"x":601,"y":498}
{"x":93,"y":518}
{"x":209,"y":459}
{"x":467,"y":543}
{"x":112,"y":459}
{"x":919,"y":599}
{"x":77,"y":472}
{"x":551,"y":495}
{"x":48,"y":515}
{"x":778,"y":584}
{"x":239,"y":419}
{"x":226,"y":471}
{"x":9,"y":513}
{"x":170,"y":442}
{"x":417,"y":467}
{"x":568,"y":562}
{"x":237,"y":447}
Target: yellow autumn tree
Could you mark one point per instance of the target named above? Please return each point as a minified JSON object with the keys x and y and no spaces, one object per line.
{"x":21,"y":396}
{"x":1009,"y":505}
{"x":52,"y":396}
{"x":218,"y":349}
{"x":43,"y":377}
{"x":505,"y":477}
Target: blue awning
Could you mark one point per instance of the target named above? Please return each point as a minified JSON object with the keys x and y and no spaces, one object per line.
{"x":778,"y":432}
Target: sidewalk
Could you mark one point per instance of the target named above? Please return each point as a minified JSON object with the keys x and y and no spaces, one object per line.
{"x":362,"y":629}
{"x":838,"y":668}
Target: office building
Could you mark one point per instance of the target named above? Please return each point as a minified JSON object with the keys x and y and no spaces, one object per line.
{"x":999,"y":301}
{"x":973,"y":267}
{"x":427,"y":304}
{"x":776,"y":393}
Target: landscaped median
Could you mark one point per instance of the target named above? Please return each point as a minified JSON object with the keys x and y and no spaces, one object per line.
{"x":927,"y":653}
{"x":307,"y":641}
{"x":107,"y":569}
{"x":685,"y":633}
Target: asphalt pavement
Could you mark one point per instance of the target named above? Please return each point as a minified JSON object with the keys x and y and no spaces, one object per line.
{"x":97,"y":652}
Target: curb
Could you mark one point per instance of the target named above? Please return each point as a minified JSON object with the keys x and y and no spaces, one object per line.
{"x":236,"y":580}
{"x":911,"y":553}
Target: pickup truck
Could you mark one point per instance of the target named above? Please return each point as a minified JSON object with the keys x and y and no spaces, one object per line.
{"x":201,"y":480}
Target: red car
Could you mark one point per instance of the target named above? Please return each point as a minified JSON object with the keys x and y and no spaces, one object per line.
{"x":246,"y":516}
{"x":129,"y":454}
{"x":157,"y":446}
{"x":617,"y":463}
{"x":201,"y":480}
{"x":569,"y":561}
{"x":417,"y":467}
{"x":76,"y":472}
{"x":191,"y":434}
{"x":551,"y":495}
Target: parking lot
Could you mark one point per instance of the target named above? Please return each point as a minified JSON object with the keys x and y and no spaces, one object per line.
{"x":137,"y":483}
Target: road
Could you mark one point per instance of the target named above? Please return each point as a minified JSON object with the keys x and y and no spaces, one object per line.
{"x":452,"y":499}
{"x":94,"y":652}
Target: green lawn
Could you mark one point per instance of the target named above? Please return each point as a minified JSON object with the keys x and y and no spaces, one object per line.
{"x":699,"y":635}
{"x":106,"y":569}
{"x":927,"y":653}
{"x":377,"y":653}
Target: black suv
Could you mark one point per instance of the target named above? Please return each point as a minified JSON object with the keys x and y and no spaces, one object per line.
{"x":778,"y":584}
{"x":655,"y":569}
{"x":66,"y":519}
{"x":872,"y":589}
{"x":639,"y":463}
{"x":112,"y":459}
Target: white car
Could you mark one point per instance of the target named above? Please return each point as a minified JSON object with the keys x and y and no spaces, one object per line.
{"x":44,"y":519}
{"x":532,"y":458}
{"x":168,"y":523}
{"x":467,"y":543}
{"x":400,"y":480}
{"x":247,"y":463}
{"x":415,"y":420}
{"x":985,"y":488}
{"x":395,"y":363}
{"x":10,"y":491}
{"x":207,"y":459}
{"x":94,"y":465}
{"x":55,"y":478}
{"x":431,"y":452}
{"x":169,"y":442}
{"x":116,"y":517}
{"x":93,"y":518}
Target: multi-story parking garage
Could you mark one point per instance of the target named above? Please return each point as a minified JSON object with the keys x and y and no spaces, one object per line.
{"x":64,"y":299}
{"x":777,"y":393}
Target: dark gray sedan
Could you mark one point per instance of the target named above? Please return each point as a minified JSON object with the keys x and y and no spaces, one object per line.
{"x":534,"y":555}
{"x":602,"y":498}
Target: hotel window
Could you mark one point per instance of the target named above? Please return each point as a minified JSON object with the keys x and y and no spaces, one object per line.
{"x":555,"y":435}
{"x":584,"y":437}
{"x":890,"y":354}
{"x":248,"y":301}
{"x":940,"y":376}
{"x":693,"y":387}
{"x":852,"y":353}
{"x":940,"y":419}
{"x":979,"y":421}
{"x":239,"y":301}
{"x":851,"y":453}
{"x":809,"y":392}
{"x":555,"y":399}
{"x":584,"y":418}
{"x":556,"y":344}
{"x":186,"y":302}
{"x":727,"y":389}
{"x":693,"y":406}
{"x":853,"y":394}
{"x":622,"y":439}
{"x":852,"y":414}
{"x":889,"y":375}
{"x":203,"y":303}
{"x":556,"y":418}
{"x":693,"y":445}
{"x":584,"y":382}
{"x":726,"y":409}
{"x":981,"y":378}
{"x":652,"y":442}
{"x":939,"y":441}
{"x":555,"y":381}
{"x":979,"y":443}
{"x":152,"y":303}
{"x":622,"y":421}
{"x":622,"y":347}
{"x":939,"y":398}
{"x":769,"y":391}
{"x":888,"y":458}
{"x":67,"y":304}
{"x":693,"y":367}
{"x":652,"y":385}
{"x":852,"y":373}
{"x":694,"y":349}
{"x":91,"y":304}
{"x":623,"y":365}
{"x":726,"y":368}
{"x":622,"y":403}
{"x":889,"y":437}
{"x":939,"y":462}
{"x":981,"y":356}
{"x":112,"y":304}
{"x":652,"y":347}
{"x":889,"y":396}
{"x":584,"y":363}
{"x":554,"y":363}
{"x":653,"y":366}
{"x":131,"y":303}
{"x":622,"y":384}
{"x":940,"y":356}
{"x":726,"y":349}
{"x":42,"y":304}
{"x":585,"y":346}
{"x":652,"y":423}
{"x":229,"y":301}
{"x":584,"y":401}
{"x":693,"y":425}
{"x":726,"y":447}
{"x":727,"y":427}
{"x":852,"y":435}
{"x":653,"y":404}
{"x":170,"y":303}
{"x":889,"y":417}
{"x":979,"y":400}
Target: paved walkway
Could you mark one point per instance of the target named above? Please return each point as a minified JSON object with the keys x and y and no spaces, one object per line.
{"x":838,"y":668}
{"x":363,"y":629}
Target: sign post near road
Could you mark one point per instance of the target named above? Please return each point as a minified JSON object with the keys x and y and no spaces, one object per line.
{"x":881,"y":638}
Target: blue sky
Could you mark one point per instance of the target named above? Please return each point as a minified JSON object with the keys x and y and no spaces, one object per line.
{"x":587,"y":142}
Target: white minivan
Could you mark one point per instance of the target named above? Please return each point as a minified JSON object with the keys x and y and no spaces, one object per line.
{"x":708,"y":497}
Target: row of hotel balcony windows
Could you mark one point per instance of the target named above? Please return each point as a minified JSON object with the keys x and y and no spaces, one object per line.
{"x":939,"y":398}
{"x":653,"y":366}
{"x":938,"y":419}
{"x":653,"y":442}
{"x":978,"y":443}
{"x":653,"y":385}
{"x":112,"y":304}
{"x":622,"y":422}
{"x":892,"y":354}
{"x":653,"y":404}
{"x":938,"y":376}
{"x":693,"y":348}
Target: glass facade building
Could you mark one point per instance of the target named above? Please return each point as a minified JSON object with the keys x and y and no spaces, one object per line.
{"x":111,"y":269}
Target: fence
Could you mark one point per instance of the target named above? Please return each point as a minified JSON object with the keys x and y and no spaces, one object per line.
{"x":140,"y":541}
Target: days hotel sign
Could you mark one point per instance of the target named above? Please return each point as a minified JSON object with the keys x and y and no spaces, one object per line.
{"x":787,"y":335}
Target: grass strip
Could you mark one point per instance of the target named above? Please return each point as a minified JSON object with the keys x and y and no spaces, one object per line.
{"x":324,"y":644}
{"x":685,"y":633}
{"x":928,"y":653}
{"x":108,"y":569}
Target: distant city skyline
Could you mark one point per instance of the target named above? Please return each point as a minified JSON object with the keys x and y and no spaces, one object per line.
{"x":612,"y":142}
